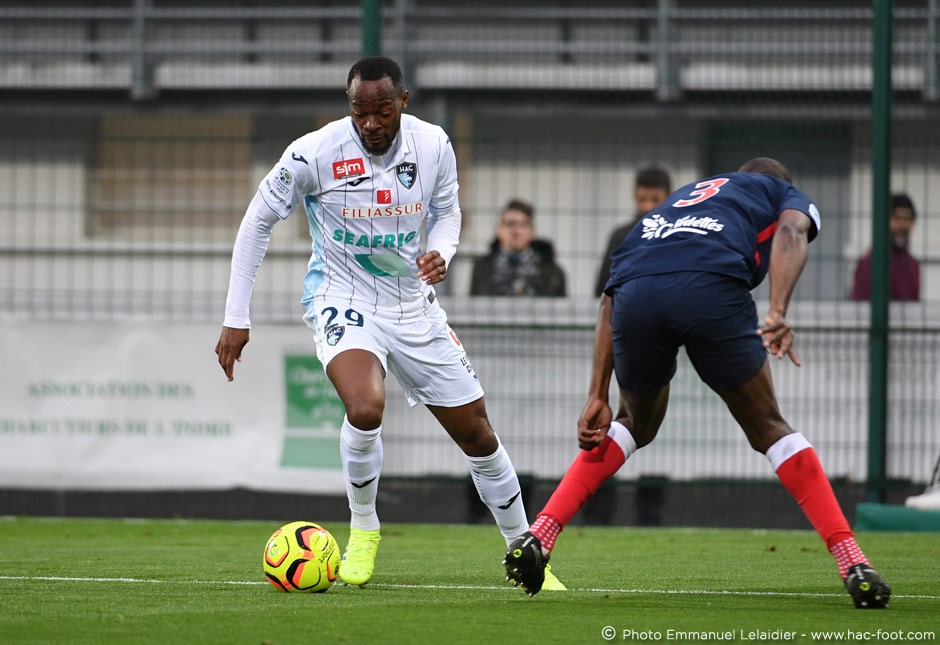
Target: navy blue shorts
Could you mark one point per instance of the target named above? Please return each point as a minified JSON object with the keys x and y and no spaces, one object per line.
{"x":714,"y":316}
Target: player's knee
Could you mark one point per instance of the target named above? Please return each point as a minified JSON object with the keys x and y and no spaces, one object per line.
{"x":478,"y":440}
{"x":357,"y":439}
{"x":365,"y":415}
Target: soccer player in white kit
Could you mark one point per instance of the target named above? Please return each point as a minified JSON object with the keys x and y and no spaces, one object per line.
{"x":369,"y":183}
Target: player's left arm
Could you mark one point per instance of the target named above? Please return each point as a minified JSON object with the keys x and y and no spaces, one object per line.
{"x":443,"y":236}
{"x":443,"y":229}
{"x":788,"y":253}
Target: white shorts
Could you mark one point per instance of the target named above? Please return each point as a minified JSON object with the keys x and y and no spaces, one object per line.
{"x":423,"y":352}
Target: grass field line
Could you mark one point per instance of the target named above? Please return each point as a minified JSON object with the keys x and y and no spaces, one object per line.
{"x":689,"y":592}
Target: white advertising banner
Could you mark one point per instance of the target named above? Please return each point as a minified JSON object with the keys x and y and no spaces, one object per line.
{"x":147,"y":407}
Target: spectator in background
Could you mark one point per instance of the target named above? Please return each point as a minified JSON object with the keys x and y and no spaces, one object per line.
{"x":650,"y":189}
{"x":905,"y":270}
{"x":518,"y":264}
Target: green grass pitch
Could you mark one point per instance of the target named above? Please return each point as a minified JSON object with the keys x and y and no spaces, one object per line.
{"x":195,"y":581}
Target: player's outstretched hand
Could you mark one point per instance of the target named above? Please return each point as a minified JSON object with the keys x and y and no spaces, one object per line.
{"x":432,"y":268}
{"x":594,"y":423}
{"x":778,"y":337}
{"x":229,"y":349}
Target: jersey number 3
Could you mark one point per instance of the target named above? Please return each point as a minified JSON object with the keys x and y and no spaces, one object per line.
{"x":705,"y":190}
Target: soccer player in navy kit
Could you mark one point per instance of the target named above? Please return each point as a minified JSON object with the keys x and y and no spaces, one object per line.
{"x":683,"y":277}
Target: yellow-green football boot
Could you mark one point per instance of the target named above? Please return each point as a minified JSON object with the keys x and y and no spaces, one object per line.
{"x":551,"y":583}
{"x":359,"y":558}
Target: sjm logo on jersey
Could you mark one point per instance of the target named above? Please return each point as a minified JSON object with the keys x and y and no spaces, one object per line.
{"x":348,"y":168}
{"x":407,"y":173}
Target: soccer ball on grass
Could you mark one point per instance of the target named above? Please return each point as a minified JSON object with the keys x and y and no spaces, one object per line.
{"x":301,"y":556}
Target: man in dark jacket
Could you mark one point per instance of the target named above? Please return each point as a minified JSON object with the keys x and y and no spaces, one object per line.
{"x":518,"y":264}
{"x":650,"y":188}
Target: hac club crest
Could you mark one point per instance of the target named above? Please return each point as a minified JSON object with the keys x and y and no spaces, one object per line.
{"x":334,"y":334}
{"x":407,"y":173}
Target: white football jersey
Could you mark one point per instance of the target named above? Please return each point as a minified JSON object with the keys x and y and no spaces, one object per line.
{"x":366,"y":212}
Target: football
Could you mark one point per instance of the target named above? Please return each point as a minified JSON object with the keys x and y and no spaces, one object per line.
{"x":301,"y":556}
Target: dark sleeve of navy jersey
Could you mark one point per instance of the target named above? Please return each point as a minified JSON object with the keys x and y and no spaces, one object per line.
{"x":724,"y":224}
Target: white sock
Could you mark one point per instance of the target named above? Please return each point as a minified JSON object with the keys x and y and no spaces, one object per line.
{"x":619,"y":433}
{"x":786,"y":447}
{"x":361,"y":453}
{"x":498,"y":487}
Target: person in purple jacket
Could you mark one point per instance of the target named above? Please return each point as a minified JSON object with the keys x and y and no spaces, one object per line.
{"x":683,"y":278}
{"x":905,"y":270}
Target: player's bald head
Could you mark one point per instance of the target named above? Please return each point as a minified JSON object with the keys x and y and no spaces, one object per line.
{"x":767,"y":166}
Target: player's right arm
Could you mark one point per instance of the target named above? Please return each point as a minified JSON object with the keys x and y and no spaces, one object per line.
{"x":250,"y":246}
{"x":596,"y":415}
{"x":277,"y":196}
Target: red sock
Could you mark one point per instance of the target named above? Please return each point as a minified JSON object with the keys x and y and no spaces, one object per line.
{"x":847,"y":553}
{"x":587,"y":472}
{"x":546,"y":528}
{"x":803,"y":476}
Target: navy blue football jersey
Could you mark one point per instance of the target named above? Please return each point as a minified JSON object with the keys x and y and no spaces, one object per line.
{"x":724,"y":224}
